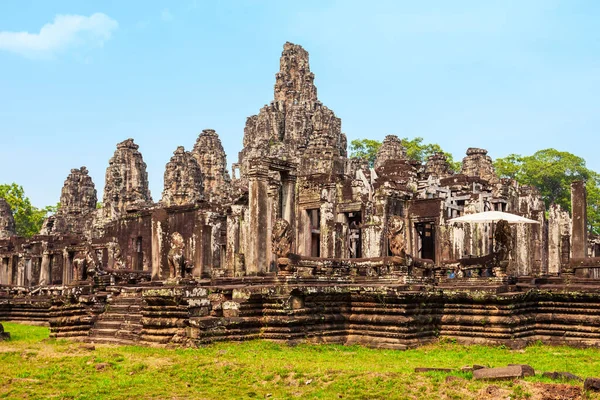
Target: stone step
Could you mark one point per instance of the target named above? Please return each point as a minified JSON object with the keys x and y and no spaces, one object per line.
{"x":112,"y":340}
{"x":117,"y":333}
{"x":120,"y":317}
{"x":129,"y":335}
{"x":126,"y":300}
{"x":107,"y":324}
{"x":123,"y":308}
{"x":117,"y":325}
{"x":98,"y":332}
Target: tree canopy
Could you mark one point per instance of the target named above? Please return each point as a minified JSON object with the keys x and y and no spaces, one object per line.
{"x":28,"y":219}
{"x":415,"y":150}
{"x":366,"y":149}
{"x":551,"y":172}
{"x":419,"y":151}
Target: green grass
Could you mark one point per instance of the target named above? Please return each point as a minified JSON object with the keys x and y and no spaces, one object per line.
{"x":33,"y":366}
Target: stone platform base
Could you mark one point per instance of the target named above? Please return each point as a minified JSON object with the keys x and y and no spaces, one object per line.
{"x":372,"y":313}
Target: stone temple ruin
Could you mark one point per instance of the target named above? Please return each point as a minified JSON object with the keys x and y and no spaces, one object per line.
{"x":302,"y":243}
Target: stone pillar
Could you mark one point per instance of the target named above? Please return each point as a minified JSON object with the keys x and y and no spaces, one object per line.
{"x":289,"y":204}
{"x":372,"y":233}
{"x":4,"y":274}
{"x":159,"y":245}
{"x":327,"y":230}
{"x":10,"y":270}
{"x":203,"y":253}
{"x":45,"y":269}
{"x":28,"y":271}
{"x":259,"y":242}
{"x":36,"y":264}
{"x":20,"y":271}
{"x":275,"y":209}
{"x":215,"y":225}
{"x":67,"y":270}
{"x":233,"y":239}
{"x":579,"y":213}
{"x":559,"y":230}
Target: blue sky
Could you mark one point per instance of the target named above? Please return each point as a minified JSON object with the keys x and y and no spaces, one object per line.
{"x":77,"y":77}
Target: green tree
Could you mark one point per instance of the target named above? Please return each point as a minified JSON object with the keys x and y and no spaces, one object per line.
{"x":419,"y":151}
{"x":366,"y":149}
{"x":593,"y":202}
{"x":551,"y":172}
{"x":28,"y":219}
{"x":415,"y":150}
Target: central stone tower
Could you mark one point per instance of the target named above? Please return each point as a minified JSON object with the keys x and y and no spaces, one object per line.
{"x":295,"y":120}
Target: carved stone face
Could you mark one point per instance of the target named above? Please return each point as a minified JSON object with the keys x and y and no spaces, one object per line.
{"x":282,"y":238}
{"x":395,"y":225}
{"x":395,"y":234}
{"x":177,"y":241}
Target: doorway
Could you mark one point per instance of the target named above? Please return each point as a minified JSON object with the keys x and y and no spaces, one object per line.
{"x":425,"y":240}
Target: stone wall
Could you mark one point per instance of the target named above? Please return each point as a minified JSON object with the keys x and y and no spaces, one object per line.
{"x":387,"y":316}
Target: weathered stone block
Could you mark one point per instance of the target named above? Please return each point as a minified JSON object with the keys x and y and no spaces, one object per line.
{"x":527,"y":369}
{"x":592,"y":384}
{"x":3,"y":335}
{"x":511,"y":372}
{"x":426,"y":369}
{"x":562,"y":376}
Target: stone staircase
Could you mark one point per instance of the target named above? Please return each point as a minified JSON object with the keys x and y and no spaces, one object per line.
{"x":121,"y":323}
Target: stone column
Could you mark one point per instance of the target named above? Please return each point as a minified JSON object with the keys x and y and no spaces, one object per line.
{"x":328,"y":219}
{"x":289,"y":203}
{"x":67,"y":269}
{"x":9,"y":269}
{"x":259,"y":242}
{"x":559,"y":231}
{"x":28,"y":271}
{"x":4,"y":271}
{"x":20,"y":271}
{"x":203,"y":253}
{"x":233,"y":239}
{"x":579,"y":228}
{"x":159,"y":245}
{"x":45,"y":269}
{"x":275,"y":202}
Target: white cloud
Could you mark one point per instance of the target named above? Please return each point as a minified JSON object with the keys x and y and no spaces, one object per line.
{"x":64,"y":32}
{"x":166,"y":15}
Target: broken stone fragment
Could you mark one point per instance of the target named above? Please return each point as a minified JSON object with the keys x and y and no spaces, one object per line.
{"x":527,"y":369}
{"x":562,"y":376}
{"x":3,"y":335}
{"x":511,"y":372}
{"x":426,"y":369}
{"x":101,"y":366}
{"x":592,"y":384}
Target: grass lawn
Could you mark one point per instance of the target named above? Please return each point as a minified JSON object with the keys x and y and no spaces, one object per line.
{"x":33,"y":366}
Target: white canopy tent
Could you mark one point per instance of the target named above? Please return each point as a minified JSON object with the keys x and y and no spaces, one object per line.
{"x":493,"y":216}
